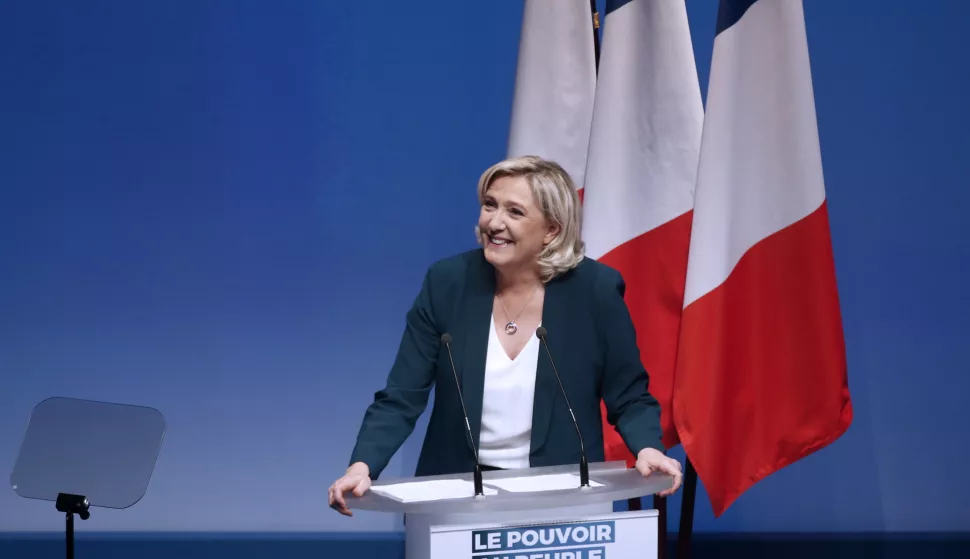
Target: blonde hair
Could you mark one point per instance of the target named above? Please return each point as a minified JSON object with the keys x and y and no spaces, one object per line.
{"x":555,"y":195}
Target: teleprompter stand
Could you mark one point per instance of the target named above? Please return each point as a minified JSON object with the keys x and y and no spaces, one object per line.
{"x":82,"y":453}
{"x":71,"y":505}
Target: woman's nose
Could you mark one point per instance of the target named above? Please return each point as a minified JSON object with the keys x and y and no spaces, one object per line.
{"x":496,"y":223}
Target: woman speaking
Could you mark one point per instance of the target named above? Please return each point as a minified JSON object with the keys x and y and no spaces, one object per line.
{"x":530,"y":272}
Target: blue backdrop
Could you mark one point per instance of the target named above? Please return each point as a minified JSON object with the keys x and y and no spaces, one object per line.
{"x":223,"y":209}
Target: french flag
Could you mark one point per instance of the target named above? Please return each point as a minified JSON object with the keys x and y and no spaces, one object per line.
{"x":761,"y":376}
{"x":644,"y":148}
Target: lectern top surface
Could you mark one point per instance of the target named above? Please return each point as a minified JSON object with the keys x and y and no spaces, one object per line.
{"x":552,"y":486}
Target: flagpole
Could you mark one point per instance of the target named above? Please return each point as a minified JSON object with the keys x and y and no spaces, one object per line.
{"x":687,"y":511}
{"x":596,"y":34}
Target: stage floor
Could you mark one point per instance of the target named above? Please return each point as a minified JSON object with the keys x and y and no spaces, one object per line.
{"x":361,"y":545}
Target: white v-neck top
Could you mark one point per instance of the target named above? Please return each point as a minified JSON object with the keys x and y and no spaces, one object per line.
{"x":506,"y":435}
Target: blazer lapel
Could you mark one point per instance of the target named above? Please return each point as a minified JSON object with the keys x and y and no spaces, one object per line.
{"x":476,"y":316}
{"x":547,"y":396}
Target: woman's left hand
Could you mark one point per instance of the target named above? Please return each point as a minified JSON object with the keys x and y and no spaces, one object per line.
{"x":651,"y":460}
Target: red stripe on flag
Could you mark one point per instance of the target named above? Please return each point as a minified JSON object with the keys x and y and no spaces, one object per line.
{"x":654,"y":267}
{"x":761,"y":378}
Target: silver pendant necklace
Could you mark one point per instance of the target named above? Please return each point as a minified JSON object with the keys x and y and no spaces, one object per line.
{"x":511,"y":327}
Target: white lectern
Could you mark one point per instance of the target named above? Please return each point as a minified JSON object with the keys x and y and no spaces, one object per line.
{"x":533,"y":513}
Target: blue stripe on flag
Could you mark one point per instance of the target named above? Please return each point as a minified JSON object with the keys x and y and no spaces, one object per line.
{"x":730,"y":12}
{"x":612,"y":5}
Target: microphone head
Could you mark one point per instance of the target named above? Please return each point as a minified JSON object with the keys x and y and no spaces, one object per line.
{"x":446,"y":338}
{"x":541,"y":332}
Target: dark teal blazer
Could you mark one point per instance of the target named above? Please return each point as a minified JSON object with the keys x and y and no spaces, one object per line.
{"x":590,"y":335}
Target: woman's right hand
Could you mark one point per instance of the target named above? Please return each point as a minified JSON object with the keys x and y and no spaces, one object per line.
{"x":357,"y":479}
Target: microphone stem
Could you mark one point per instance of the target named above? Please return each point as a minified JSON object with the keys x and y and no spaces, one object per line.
{"x":583,"y":463}
{"x":479,"y":490}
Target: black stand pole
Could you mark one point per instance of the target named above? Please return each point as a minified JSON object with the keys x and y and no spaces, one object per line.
{"x":71,"y":505}
{"x":660,"y":503}
{"x":687,"y":512}
{"x":70,"y":536}
{"x":596,"y":33}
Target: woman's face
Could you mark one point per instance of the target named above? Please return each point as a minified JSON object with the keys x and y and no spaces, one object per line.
{"x":513,"y":230}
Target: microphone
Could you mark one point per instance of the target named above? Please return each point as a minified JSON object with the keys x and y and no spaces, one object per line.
{"x":583,"y":463}
{"x":479,"y":490}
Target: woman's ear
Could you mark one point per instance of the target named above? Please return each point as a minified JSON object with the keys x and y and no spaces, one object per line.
{"x":551,"y":233}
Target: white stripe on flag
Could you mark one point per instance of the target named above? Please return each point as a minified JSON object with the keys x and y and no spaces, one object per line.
{"x":760,"y":168}
{"x":647,"y":127}
{"x":554,"y":84}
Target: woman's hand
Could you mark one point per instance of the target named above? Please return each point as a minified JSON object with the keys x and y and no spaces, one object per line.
{"x":651,"y":460}
{"x":357,"y":479}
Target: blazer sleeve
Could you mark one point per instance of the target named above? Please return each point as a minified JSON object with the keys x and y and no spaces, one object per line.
{"x":391,"y":417}
{"x":629,"y":406}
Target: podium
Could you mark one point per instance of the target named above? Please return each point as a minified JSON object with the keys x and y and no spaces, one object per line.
{"x":532,"y":513}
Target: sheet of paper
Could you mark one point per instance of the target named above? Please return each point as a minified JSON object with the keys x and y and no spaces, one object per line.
{"x":551,"y":482}
{"x":431,"y":490}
